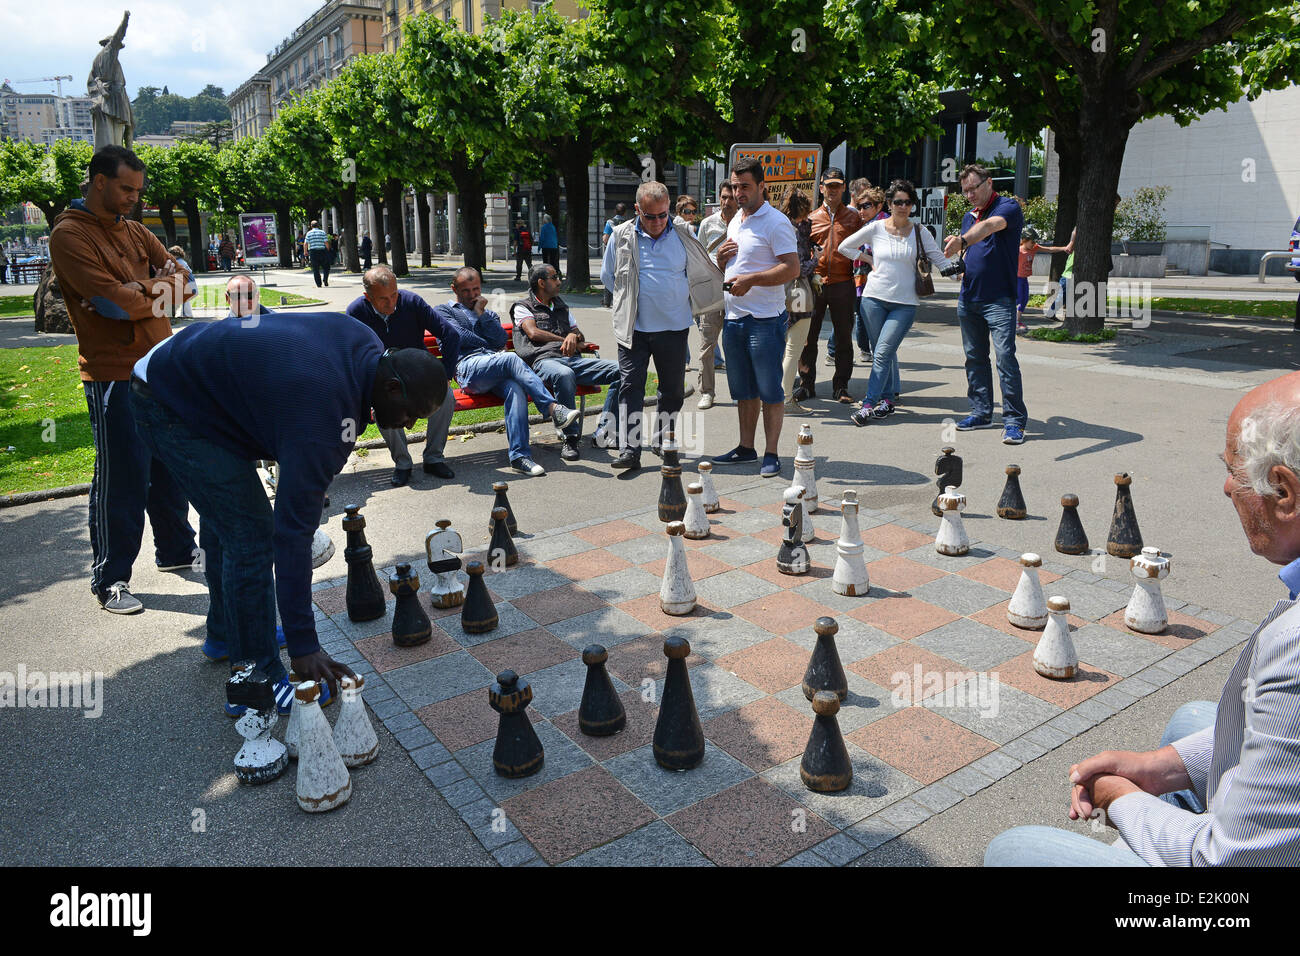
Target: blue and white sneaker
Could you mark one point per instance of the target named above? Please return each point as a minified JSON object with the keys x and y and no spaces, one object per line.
{"x":215,"y":650}
{"x":1013,"y":435}
{"x":284,"y":689}
{"x":771,"y":466}
{"x":972,"y":422}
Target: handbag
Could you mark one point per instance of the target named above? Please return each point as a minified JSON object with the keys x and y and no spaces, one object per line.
{"x":924,"y":281}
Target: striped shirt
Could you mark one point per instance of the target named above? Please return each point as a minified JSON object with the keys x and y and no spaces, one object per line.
{"x":316,"y":239}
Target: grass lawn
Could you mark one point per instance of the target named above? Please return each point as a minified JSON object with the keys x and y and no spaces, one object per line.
{"x":1261,"y":309}
{"x":209,"y":297}
{"x":12,"y":306}
{"x":43,"y":418}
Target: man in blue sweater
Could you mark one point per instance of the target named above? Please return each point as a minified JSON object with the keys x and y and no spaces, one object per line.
{"x":484,"y":367}
{"x":400,"y":319}
{"x":215,"y":398}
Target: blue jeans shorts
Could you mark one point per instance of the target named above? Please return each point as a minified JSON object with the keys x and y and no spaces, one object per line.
{"x":755,"y":348}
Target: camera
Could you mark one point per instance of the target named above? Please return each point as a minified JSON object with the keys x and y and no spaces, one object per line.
{"x":956,"y":269}
{"x":726,"y":286}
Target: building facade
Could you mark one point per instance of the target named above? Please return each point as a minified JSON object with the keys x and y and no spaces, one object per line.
{"x":44,"y":117}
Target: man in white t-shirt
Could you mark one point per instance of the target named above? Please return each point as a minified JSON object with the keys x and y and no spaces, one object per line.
{"x":758,"y":258}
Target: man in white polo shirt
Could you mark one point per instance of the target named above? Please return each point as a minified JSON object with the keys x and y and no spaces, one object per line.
{"x":759,"y":257}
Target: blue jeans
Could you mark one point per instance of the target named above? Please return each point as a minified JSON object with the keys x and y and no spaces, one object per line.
{"x":889,"y":323}
{"x":757,"y":347}
{"x":978,"y":321}
{"x":507,"y":376}
{"x":1048,"y":846}
{"x":563,"y":374}
{"x":236,"y":532}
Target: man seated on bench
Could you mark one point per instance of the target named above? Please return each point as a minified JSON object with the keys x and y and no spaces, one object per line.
{"x":483,"y":367}
{"x":548,"y":338}
{"x":400,"y":319}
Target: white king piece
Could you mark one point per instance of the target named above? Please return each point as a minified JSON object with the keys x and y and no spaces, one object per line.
{"x":803,"y":468}
{"x":850,"y":577}
{"x":1146,"y":608}
{"x":952,"y":539}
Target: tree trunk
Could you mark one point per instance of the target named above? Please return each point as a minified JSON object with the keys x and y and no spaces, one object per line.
{"x":577,"y":191}
{"x":471,"y":212}
{"x":167,"y":215}
{"x":396,"y":225}
{"x":351,"y":234}
{"x":422,"y":212}
{"x":1069,"y":156}
{"x":198,"y":241}
{"x":377,"y":211}
{"x":551,"y":200}
{"x":284,"y":233}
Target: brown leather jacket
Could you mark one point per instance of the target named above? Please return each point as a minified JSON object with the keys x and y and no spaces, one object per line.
{"x":832,"y":266}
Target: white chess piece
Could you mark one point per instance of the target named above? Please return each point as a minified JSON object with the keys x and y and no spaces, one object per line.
{"x":323,"y":779}
{"x":291,"y":729}
{"x":353,"y":734}
{"x":1055,"y":656}
{"x":322,"y":548}
{"x":1146,"y":611}
{"x":441,"y":547}
{"x":850,"y":576}
{"x":677,"y":593}
{"x":696,"y":521}
{"x":951,"y":539}
{"x":1028,"y":607}
{"x":804,"y":465}
{"x":710,"y":498}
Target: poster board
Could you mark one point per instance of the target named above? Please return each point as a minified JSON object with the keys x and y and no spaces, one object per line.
{"x":257,"y":231}
{"x":932,"y":212}
{"x":785,"y":167}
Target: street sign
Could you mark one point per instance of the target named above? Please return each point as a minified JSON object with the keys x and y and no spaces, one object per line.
{"x":932,"y":212}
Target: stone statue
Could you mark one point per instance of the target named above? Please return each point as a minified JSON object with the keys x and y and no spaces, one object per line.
{"x":106,"y":86}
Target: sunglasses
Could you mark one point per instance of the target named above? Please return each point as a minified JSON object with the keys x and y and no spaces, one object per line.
{"x":654,"y":216}
{"x":900,"y":202}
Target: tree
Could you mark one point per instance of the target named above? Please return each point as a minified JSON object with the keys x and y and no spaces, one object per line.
{"x":47,"y":177}
{"x":213,"y":133}
{"x":184,"y":176}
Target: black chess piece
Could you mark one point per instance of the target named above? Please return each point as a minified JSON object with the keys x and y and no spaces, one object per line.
{"x":1012,"y":503}
{"x":411,"y":625}
{"x":1070,"y":537}
{"x":601,"y":713}
{"x":824,"y":669}
{"x":1125,"y":539}
{"x":477,"y":615}
{"x":825,"y":767}
{"x":669,"y":451}
{"x":679,"y":739}
{"x":672,"y":497}
{"x":948,"y":468}
{"x":500,"y":487}
{"x":792,"y":558}
{"x":518,"y":752}
{"x":501,"y":547}
{"x":365,"y":595}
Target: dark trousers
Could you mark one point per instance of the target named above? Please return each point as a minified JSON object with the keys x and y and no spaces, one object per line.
{"x":669,"y":351}
{"x":522,"y":257}
{"x":129,"y":482}
{"x":320,"y":265}
{"x":365,"y":262}
{"x":841,"y":299}
{"x":552,"y":258}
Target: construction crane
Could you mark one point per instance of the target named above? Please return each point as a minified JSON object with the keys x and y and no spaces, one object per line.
{"x":47,"y":79}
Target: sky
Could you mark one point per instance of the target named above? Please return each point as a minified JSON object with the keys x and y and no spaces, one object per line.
{"x":182,"y":46}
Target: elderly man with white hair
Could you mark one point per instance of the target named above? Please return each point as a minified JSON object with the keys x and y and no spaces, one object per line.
{"x":1221,"y":789}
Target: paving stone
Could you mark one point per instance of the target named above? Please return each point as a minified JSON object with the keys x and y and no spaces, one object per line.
{"x":446,"y":773}
{"x":866,"y":703}
{"x":510,"y":620}
{"x":419,"y":685}
{"x":1047,"y":737}
{"x":541,"y":550}
{"x":1194,"y":655}
{"x":462,"y":792}
{"x":607,"y":626}
{"x":716,"y":690}
{"x":968,"y":780}
{"x":1242,"y":626}
{"x":853,"y":641}
{"x":625,"y":585}
{"x":807,"y":858}
{"x":997,"y":764}
{"x":558,"y":689}
{"x":749,"y":522}
{"x":416,"y":737}
{"x":1117,"y":697}
{"x":971,"y":643}
{"x":946,"y":562}
{"x":1083,"y":577}
{"x":656,"y":844}
{"x":1113,"y":585}
{"x":1005,"y":717}
{"x":640,"y":550}
{"x":732,"y":588}
{"x":403,"y":721}
{"x":434,"y":753}
{"x":665,"y":791}
{"x":822,"y":590}
{"x":375,"y":694}
{"x":489,"y":823}
{"x":1070,"y":723}
{"x":937,"y":797}
{"x":515,"y":854}
{"x":1137,"y":687}
{"x":875,"y":785}
{"x":388,"y":708}
{"x":578,"y":812}
{"x":562,"y":757}
{"x":959,"y":594}
{"x":741,"y":551}
{"x":1095,"y":710}
{"x":1121,"y":654}
{"x":751,"y":824}
{"x":874,"y":831}
{"x":1220,"y":641}
{"x":715,"y":637}
{"x":1023,"y":749}
{"x":839,"y":849}
{"x":906,"y":814}
{"x":1192,"y":610}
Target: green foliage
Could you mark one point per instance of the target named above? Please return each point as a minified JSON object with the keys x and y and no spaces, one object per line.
{"x":1141,"y":216}
{"x":48,"y":177}
{"x":1041,"y":214}
{"x":958,"y":206}
{"x":1062,"y":334}
{"x":155,"y":112}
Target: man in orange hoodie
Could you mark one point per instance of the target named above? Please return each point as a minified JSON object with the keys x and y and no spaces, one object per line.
{"x":120,"y":285}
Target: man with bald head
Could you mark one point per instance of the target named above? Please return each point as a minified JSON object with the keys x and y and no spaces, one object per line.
{"x":1221,"y":789}
{"x":242,"y":299}
{"x":400,"y":319}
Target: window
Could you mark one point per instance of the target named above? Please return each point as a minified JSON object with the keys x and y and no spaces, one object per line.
{"x":535,"y":6}
{"x":468,"y":20}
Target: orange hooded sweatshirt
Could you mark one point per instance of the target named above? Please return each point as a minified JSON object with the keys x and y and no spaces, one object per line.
{"x":94,"y":258}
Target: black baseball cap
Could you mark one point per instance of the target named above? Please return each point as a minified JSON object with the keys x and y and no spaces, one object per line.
{"x":833,"y":174}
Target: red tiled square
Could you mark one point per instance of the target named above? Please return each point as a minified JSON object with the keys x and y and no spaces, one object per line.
{"x":643,"y":659}
{"x":576,"y":813}
{"x":558,"y":604}
{"x":920,"y":743}
{"x":773,"y":536}
{"x":762,"y":734}
{"x":749,"y":825}
{"x":905,"y":617}
{"x":767,"y":570}
{"x":729,"y":506}
{"x":897,"y":573}
{"x":639,"y":730}
{"x":895,"y":669}
{"x":524,"y":652}
{"x":827,"y":507}
{"x":650,"y":612}
{"x":893,"y":539}
{"x":332,"y":600}
{"x":996,"y":616}
{"x":465,"y":720}
{"x":384,"y":655}
{"x":782,"y":612}
{"x":699,"y":564}
{"x":1182,"y":629}
{"x":717,"y":534}
{"x":770,"y":666}
{"x":588,"y":564}
{"x":1003,"y":573}
{"x":611,"y":532}
{"x":1087,"y":680}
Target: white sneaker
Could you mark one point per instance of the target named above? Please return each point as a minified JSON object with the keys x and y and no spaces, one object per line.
{"x":706,"y":401}
{"x":322,"y":548}
{"x":563,"y":417}
{"x":527,"y":466}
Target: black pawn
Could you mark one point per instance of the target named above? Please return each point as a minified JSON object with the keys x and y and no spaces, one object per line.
{"x":500,"y":487}
{"x":824,"y":670}
{"x":1125,"y":540}
{"x":679,"y":739}
{"x":365,"y":595}
{"x":601,"y":713}
{"x":501,"y":547}
{"x":672,"y":497}
{"x":669,"y":450}
{"x":411,"y":625}
{"x":825,"y":767}
{"x":948,"y":469}
{"x":477,"y":614}
{"x":518,"y":752}
{"x":1012,"y":503}
{"x":1070,"y":537}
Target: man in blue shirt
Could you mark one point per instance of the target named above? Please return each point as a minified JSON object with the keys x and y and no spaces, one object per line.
{"x":990,"y":241}
{"x":484,"y":367}
{"x":400,"y":319}
{"x":548,"y":240}
{"x":319,"y":253}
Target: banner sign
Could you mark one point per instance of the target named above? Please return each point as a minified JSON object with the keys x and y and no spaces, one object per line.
{"x":258,"y":232}
{"x":785,"y":167}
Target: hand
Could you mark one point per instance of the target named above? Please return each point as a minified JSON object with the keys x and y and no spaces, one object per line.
{"x":726,"y":251}
{"x":570,"y":345}
{"x":742,"y":284}
{"x":168,"y":269}
{"x":1100,"y":794}
{"x":321,"y":667}
{"x":951,"y":246}
{"x":480,"y":304}
{"x":1155,"y":772}
{"x":133,"y":286}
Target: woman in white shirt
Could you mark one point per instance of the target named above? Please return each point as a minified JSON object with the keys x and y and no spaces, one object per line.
{"x":889,"y":298}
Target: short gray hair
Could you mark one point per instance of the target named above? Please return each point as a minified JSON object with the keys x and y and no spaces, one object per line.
{"x":378,"y":276}
{"x":651,"y":191}
{"x":1269,"y":437}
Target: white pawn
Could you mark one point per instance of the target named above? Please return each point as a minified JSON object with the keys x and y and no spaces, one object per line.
{"x":710,"y":496}
{"x":951,"y":539}
{"x":804,"y":464}
{"x":442,"y":546}
{"x":1028,"y":607}
{"x":696,"y":521}
{"x":1055,"y":656}
{"x":291,"y":729}
{"x":1146,"y":611}
{"x":677,"y":593}
{"x":353,"y":734}
{"x":323,"y":779}
{"x":850,"y":577}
